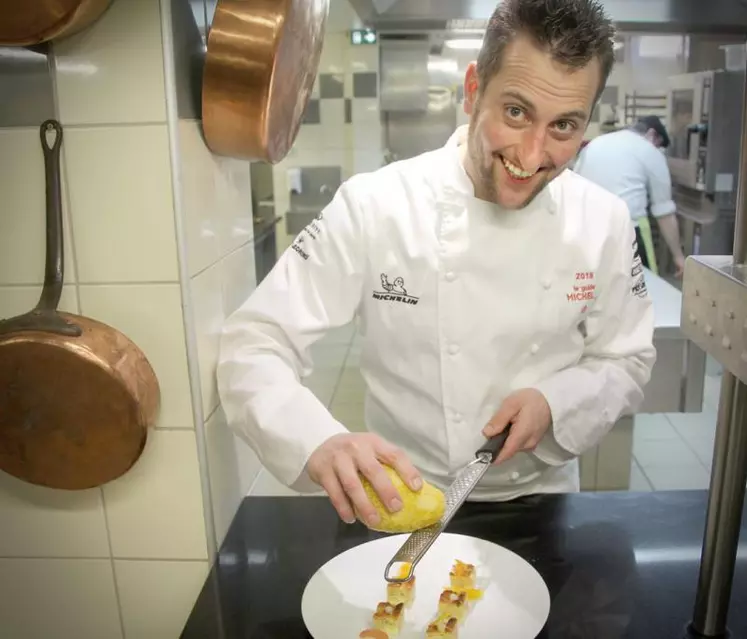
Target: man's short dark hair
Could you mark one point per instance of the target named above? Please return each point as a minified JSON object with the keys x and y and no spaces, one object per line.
{"x":649,"y":122}
{"x":574,"y":32}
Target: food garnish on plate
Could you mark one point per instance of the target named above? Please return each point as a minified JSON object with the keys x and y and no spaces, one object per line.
{"x":463,"y":578}
{"x":452,"y":604}
{"x":402,"y":592}
{"x":462,"y":575}
{"x":445,"y":628}
{"x":388,"y":617}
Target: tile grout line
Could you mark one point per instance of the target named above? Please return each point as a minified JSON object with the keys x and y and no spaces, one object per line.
{"x":65,"y":194}
{"x":78,"y":283}
{"x":184,"y":281}
{"x":342,"y":370}
{"x":112,"y":558}
{"x":687,"y":443}
{"x":643,"y":472}
{"x":230,"y":253}
{"x":82,"y":126}
{"x":117,"y":595}
{"x":67,"y":225}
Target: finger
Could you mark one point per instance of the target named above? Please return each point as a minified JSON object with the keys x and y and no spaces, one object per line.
{"x":515,"y":442}
{"x":347,"y":474}
{"x":398,"y":460}
{"x":501,"y":419}
{"x":375,"y":473}
{"x":337,"y":496}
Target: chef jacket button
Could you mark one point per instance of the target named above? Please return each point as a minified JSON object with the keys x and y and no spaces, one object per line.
{"x":450,"y":277}
{"x":457,"y":417}
{"x":535,"y":349}
{"x":546,"y":283}
{"x":453,"y":349}
{"x":514,"y":476}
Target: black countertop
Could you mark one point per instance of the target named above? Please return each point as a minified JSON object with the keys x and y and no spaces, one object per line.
{"x":616,"y":564}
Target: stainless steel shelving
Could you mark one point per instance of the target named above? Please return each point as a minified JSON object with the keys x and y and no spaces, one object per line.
{"x":714,"y":317}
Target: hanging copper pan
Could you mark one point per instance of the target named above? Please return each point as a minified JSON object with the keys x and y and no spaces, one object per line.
{"x":29,"y":22}
{"x":262,"y":59}
{"x":76,"y":396}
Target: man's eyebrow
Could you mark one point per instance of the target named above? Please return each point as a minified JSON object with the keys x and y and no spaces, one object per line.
{"x":519,"y":98}
{"x":568,"y":115}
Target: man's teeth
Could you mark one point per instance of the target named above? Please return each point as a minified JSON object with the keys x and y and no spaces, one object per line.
{"x":515,"y":170}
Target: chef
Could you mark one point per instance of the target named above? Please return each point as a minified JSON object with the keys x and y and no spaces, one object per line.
{"x":492,"y":287}
{"x":629,"y":163}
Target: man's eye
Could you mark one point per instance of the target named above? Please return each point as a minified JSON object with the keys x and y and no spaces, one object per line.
{"x":565,"y":126}
{"x":514,"y":112}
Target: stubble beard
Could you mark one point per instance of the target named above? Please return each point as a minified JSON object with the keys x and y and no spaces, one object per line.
{"x":485,"y":167}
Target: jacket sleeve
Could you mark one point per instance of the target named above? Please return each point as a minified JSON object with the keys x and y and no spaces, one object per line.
{"x":608,"y":382}
{"x":264,"y":351}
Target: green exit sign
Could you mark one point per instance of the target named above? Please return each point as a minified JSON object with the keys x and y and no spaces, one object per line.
{"x":363,"y":36}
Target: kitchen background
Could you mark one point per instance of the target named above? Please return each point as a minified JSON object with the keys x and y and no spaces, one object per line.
{"x":164,"y":239}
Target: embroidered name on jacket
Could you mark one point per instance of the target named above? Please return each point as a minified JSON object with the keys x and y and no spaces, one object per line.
{"x":637,"y":275}
{"x":312,"y":230}
{"x":394,"y":291}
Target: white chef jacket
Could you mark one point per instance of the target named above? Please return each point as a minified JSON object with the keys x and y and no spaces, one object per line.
{"x":459,"y":303}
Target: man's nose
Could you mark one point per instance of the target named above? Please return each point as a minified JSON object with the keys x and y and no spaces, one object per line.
{"x":532,"y":149}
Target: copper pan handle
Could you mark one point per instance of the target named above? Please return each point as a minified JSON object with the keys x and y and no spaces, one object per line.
{"x":44,"y":316}
{"x":54,"y":270}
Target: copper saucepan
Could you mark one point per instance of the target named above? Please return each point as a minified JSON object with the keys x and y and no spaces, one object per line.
{"x":76,"y":396}
{"x":262,"y":59}
{"x":29,"y":22}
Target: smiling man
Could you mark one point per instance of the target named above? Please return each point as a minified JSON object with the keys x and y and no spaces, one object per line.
{"x":493,"y":289}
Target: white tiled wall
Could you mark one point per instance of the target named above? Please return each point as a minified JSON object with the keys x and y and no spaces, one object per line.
{"x":355,"y":146}
{"x":61,"y":598}
{"x":159,"y":245}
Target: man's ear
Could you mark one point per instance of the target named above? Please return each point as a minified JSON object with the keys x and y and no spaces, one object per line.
{"x":471,"y":87}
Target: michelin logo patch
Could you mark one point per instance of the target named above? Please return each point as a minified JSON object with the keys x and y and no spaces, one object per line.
{"x":637,"y":275}
{"x":394,"y":291}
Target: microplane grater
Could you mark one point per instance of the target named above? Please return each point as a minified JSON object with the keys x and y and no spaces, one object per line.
{"x":418,"y":543}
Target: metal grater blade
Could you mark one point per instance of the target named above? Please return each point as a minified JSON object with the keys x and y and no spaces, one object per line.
{"x":416,"y":545}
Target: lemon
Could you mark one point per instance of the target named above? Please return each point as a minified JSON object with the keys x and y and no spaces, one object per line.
{"x":419,"y":508}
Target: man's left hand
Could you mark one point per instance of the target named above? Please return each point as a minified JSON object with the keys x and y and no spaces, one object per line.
{"x":529,"y":415}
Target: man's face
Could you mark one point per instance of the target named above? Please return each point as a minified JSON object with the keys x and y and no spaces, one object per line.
{"x":527,"y":123}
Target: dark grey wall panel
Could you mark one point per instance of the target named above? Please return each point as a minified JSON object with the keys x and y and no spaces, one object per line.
{"x":189,"y":36}
{"x":26,"y":87}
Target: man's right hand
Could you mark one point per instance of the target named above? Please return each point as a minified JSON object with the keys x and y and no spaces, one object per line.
{"x":679,"y":265}
{"x":335,"y":466}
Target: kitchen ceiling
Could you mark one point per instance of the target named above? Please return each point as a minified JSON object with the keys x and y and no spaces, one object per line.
{"x":662,"y":16}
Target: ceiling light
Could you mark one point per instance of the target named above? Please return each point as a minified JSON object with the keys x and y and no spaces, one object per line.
{"x":471,"y":43}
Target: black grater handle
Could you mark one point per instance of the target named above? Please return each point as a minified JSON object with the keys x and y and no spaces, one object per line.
{"x":494,"y":445}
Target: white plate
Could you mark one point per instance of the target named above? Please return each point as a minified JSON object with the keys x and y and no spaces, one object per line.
{"x":339,"y":600}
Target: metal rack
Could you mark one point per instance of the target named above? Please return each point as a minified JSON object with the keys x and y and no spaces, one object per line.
{"x":638,"y":105}
{"x":714,"y":317}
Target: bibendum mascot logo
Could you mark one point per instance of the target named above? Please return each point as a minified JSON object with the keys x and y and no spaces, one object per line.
{"x":394,"y":291}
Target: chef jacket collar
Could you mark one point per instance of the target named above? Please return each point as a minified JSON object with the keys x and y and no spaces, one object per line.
{"x":460,"y":181}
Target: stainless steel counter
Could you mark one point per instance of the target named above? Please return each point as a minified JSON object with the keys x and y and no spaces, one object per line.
{"x":667,"y":301}
{"x":677,"y":384}
{"x":678,"y":377}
